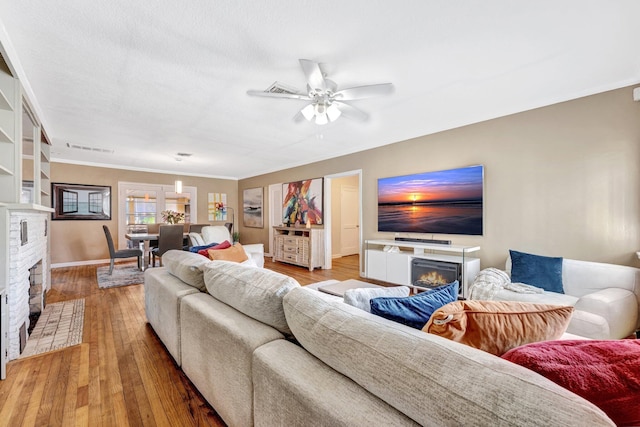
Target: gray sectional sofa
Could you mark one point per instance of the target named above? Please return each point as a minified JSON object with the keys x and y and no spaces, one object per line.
{"x":264,"y":351}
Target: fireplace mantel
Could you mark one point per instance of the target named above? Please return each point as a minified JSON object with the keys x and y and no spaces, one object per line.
{"x":24,"y":233}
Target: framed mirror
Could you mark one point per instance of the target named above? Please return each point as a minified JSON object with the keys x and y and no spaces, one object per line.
{"x":81,"y":201}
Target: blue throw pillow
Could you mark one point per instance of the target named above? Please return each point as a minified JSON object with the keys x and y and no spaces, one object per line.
{"x":536,"y":270}
{"x":416,"y":310}
{"x":196,"y":249}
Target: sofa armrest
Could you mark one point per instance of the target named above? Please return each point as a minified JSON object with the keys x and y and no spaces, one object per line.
{"x":255,"y":251}
{"x":619,"y":307}
{"x":196,"y":239}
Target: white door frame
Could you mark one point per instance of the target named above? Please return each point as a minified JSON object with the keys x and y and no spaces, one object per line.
{"x":273,"y":210}
{"x":327,"y":214}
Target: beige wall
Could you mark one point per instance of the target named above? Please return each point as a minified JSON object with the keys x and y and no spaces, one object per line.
{"x":74,"y":241}
{"x":562,"y":180}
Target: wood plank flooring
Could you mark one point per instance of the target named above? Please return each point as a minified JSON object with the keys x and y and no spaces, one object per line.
{"x":121,"y":374}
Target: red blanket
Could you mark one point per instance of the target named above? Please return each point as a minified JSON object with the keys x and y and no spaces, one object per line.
{"x":606,"y":373}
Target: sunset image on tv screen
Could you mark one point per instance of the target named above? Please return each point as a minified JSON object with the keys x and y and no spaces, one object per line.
{"x":442,"y":202}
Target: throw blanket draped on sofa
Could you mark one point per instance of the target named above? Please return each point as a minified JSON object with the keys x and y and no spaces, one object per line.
{"x":491,"y":280}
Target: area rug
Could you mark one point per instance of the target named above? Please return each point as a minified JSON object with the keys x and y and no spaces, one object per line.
{"x":122,"y":276}
{"x":59,"y":326}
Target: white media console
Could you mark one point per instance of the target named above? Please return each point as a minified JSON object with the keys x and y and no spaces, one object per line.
{"x":391,"y":261}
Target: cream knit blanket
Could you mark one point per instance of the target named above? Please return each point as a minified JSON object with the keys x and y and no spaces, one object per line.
{"x":491,"y":280}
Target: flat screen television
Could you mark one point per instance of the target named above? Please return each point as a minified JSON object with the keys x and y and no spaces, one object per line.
{"x":441,"y":202}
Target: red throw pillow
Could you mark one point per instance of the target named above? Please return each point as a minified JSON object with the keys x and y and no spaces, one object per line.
{"x":606,"y":373}
{"x":223,"y":245}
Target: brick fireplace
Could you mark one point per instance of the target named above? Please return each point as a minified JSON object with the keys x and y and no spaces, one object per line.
{"x":29,"y":279}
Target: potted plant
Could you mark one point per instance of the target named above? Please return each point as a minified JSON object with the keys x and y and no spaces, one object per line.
{"x":236,"y":236}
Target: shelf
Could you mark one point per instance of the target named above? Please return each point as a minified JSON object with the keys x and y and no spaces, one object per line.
{"x":7,"y":91}
{"x":4,"y":137}
{"x":5,"y":171}
{"x":4,"y":102}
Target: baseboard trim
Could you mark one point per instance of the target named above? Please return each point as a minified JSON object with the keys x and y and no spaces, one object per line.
{"x":89,"y":262}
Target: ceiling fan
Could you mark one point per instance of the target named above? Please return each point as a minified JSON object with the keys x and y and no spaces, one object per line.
{"x":325,"y":102}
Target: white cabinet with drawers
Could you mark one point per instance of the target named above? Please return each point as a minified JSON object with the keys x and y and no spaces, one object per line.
{"x":299,"y":246}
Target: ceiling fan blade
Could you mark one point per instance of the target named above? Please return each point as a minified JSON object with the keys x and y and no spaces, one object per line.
{"x":302,"y":96}
{"x":298,"y":117}
{"x":312,"y":71}
{"x":360,"y":92}
{"x":351,"y":112}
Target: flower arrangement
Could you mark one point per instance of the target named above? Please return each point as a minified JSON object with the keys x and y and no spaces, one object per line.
{"x":172,"y":217}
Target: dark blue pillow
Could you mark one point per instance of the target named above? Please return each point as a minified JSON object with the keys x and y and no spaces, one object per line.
{"x":416,"y":310}
{"x":196,"y":249}
{"x":536,"y":270}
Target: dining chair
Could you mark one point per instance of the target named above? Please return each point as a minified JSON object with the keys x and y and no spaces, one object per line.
{"x":122,"y":253}
{"x":169,"y":237}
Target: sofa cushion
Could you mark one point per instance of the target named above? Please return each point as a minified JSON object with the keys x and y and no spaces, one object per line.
{"x":498,"y":326}
{"x":186,"y":267}
{"x":606,"y":373}
{"x":536,"y":270}
{"x":361,"y":297}
{"x":415,"y":310}
{"x":433,"y":380}
{"x":293,"y":388}
{"x":256,"y":292}
{"x":234,"y":253}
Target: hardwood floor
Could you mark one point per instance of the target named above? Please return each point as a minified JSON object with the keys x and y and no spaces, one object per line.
{"x":121,"y":374}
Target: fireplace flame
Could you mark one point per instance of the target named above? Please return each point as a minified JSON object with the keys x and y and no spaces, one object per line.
{"x":431,"y":279}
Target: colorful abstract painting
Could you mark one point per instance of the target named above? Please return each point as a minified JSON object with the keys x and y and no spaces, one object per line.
{"x":217,"y":206}
{"x":302,"y":202}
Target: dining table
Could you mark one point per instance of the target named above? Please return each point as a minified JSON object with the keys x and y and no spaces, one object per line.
{"x":145,"y":239}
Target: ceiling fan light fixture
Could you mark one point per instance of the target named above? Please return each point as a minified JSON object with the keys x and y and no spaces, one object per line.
{"x":321,"y":119}
{"x":333,"y":112}
{"x":308,"y":112}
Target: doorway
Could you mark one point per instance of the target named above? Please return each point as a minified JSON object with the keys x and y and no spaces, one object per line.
{"x":343,"y":215}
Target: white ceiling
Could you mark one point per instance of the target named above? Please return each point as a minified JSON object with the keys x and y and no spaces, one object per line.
{"x":149,"y":79}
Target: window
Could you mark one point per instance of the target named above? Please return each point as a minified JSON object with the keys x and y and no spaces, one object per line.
{"x":69,"y":201}
{"x":140,"y":203}
{"x":95,"y":202}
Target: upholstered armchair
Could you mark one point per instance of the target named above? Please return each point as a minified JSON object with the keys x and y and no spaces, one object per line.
{"x":218,"y":234}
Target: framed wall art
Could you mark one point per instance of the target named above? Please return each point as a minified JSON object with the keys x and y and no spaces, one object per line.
{"x":302,"y":202}
{"x":252,"y":208}
{"x":217,"y":206}
{"x":80,"y":201}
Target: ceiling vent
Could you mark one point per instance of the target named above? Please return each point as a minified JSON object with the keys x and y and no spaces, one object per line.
{"x":87,"y":148}
{"x":278,"y":87}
